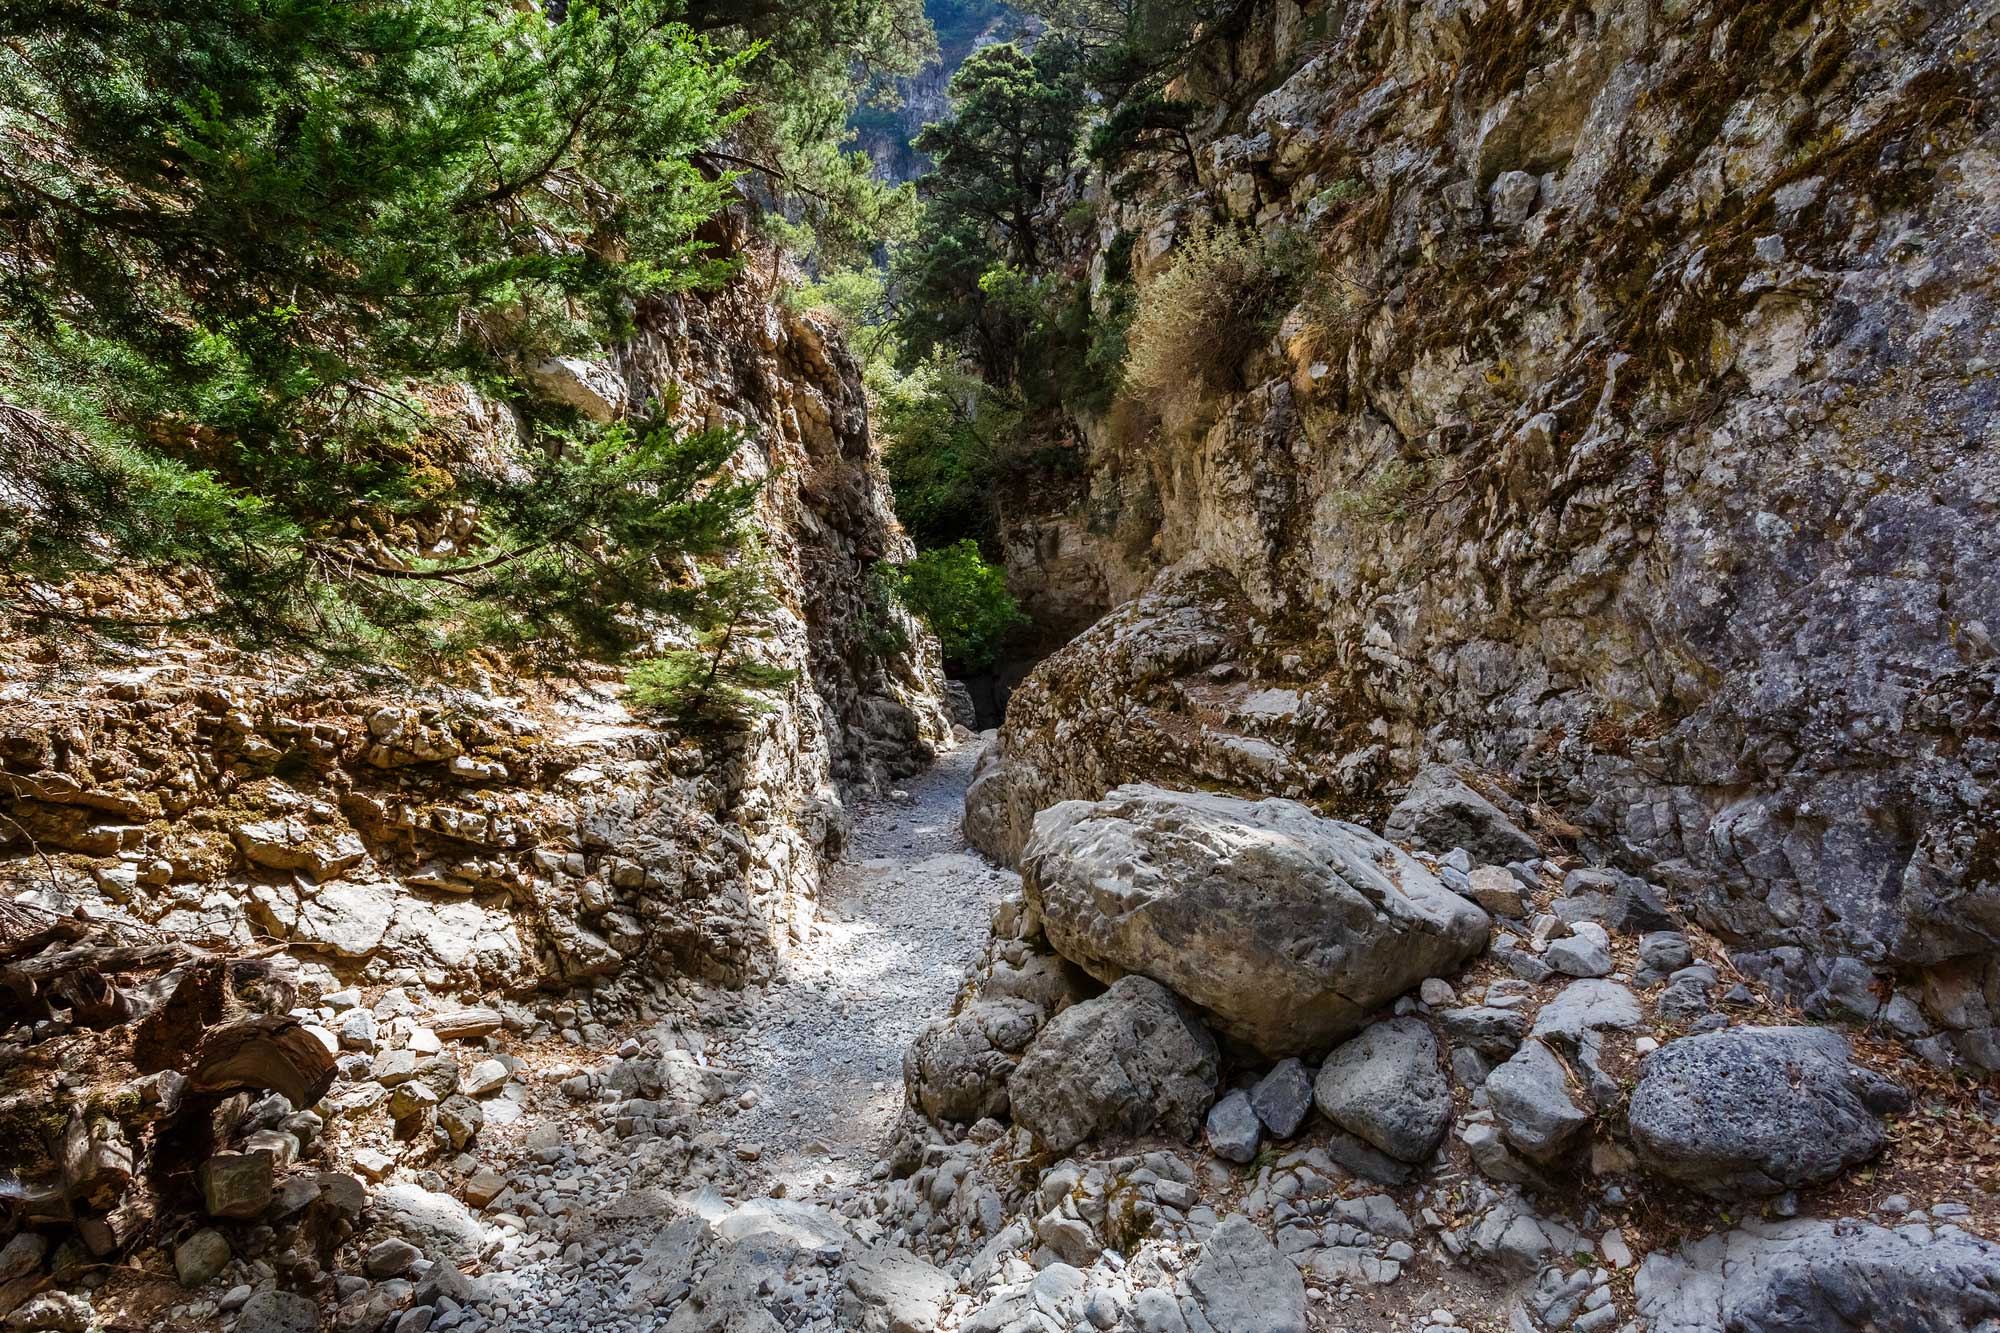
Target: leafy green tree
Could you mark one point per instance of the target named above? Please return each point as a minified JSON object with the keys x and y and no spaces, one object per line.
{"x":589,"y":545}
{"x":1007,"y":143}
{"x":1138,"y":46}
{"x":1145,"y":120}
{"x":963,"y":599}
{"x":945,"y":434}
{"x":810,"y":61}
{"x":246,"y":239}
{"x":968,"y":285}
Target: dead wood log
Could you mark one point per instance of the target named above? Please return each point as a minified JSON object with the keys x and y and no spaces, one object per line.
{"x":265,"y":1052}
{"x":112,"y":1232}
{"x":25,"y":930}
{"x":96,"y":1159}
{"x":90,"y":998}
{"x":29,"y":978}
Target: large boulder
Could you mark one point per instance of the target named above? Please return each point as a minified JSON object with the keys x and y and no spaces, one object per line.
{"x":992,"y":822}
{"x":437,"y":1224}
{"x":1133,"y":1060}
{"x":1757,"y":1110}
{"x":1530,"y":1096}
{"x":1385,"y":1087}
{"x":892,"y":1291}
{"x":1441,"y":811}
{"x":957,"y":1068}
{"x":1287,"y":928}
{"x":1808,"y":1275}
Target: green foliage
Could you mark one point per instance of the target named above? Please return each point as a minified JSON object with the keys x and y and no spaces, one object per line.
{"x":996,"y":162}
{"x":587,"y":542}
{"x":946,"y":436}
{"x":810,"y":60}
{"x":1133,"y":47}
{"x":1144,"y":120}
{"x":1389,"y":494}
{"x":1009,"y":138}
{"x":963,"y":599}
{"x":719,"y":684}
{"x":249,"y":237}
{"x":883,"y":632}
{"x":856,"y":297}
{"x":251,"y":209}
{"x":1224,"y":293}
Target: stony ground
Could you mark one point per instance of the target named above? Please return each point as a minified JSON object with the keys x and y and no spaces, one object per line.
{"x":821,"y":1048}
{"x":587,"y":1199}
{"x":709,"y":1160}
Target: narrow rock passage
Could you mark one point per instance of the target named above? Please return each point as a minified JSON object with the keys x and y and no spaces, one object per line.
{"x":903,"y":913}
{"x":817,"y":1057}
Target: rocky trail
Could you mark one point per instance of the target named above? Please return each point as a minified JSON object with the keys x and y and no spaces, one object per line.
{"x":821,"y":1047}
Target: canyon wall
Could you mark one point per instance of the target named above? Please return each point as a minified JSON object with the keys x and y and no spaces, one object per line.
{"x":1636,"y":441}
{"x":500,"y":833}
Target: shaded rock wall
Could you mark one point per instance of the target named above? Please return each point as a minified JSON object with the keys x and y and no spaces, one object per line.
{"x":504,"y":833}
{"x":1637,"y":441}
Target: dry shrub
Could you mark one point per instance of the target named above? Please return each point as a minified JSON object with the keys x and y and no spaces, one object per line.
{"x":1199,"y":319}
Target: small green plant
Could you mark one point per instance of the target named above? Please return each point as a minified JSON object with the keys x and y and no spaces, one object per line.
{"x":882,"y":631}
{"x":947,"y":438}
{"x":963,"y":599}
{"x":855,"y":297}
{"x":1345,"y":190}
{"x":719,"y":684}
{"x":1390,"y":493}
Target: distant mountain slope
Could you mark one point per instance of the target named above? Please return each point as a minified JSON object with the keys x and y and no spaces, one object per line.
{"x":963,"y":26}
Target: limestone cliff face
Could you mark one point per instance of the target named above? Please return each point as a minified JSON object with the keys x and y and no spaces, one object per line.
{"x":512,"y":832}
{"x":1641,"y":443}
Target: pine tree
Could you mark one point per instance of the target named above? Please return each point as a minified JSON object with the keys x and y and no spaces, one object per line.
{"x":719,"y":684}
{"x":247,"y":239}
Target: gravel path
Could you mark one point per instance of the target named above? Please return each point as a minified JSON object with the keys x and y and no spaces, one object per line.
{"x":904,"y":913}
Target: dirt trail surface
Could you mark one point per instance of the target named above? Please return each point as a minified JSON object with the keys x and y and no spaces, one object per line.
{"x":822,"y":1047}
{"x":614,"y":1230}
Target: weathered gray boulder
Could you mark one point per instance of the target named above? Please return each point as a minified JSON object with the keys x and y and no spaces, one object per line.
{"x":1385,"y":1087}
{"x":1287,"y":928}
{"x":200,"y":1257}
{"x":1490,"y":1030}
{"x":1132,"y":1060}
{"x":1584,"y":1007}
{"x":1584,"y":952}
{"x":1530,"y":1098}
{"x":1440,"y":812}
{"x":437,"y":1224}
{"x":1757,"y":1110}
{"x":991,"y":822}
{"x":1241,"y":1284}
{"x":892,"y":1291}
{"x":1233,"y":1128}
{"x":957,"y":1068}
{"x":1613,"y":899}
{"x":278,"y":1312}
{"x":1808,"y":1276}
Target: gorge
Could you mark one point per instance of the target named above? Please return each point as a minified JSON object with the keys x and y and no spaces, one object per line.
{"x":1496,"y":819}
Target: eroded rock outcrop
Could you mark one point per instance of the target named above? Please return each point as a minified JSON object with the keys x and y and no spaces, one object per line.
{"x":1758,"y":1110}
{"x":1131,"y":1060}
{"x":1805,"y":1275}
{"x":502,"y":833}
{"x":1609,"y":451}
